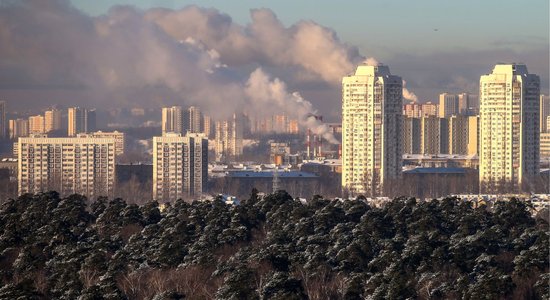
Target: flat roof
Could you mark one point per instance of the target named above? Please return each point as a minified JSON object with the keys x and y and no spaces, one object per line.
{"x":269,"y":174}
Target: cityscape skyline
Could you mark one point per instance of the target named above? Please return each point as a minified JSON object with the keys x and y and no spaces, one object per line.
{"x":97,"y":78}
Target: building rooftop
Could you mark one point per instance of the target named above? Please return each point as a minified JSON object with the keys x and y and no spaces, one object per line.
{"x":269,"y":174}
{"x":435,"y":171}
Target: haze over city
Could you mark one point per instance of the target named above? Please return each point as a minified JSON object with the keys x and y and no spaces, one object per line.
{"x":112,"y":54}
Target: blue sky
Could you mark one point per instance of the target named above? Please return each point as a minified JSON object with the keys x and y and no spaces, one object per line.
{"x":382,"y":28}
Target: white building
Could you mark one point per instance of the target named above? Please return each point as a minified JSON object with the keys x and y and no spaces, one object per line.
{"x":67,"y":165}
{"x":371,"y":129}
{"x":509,"y":128}
{"x":119,"y":137}
{"x":180,"y":166}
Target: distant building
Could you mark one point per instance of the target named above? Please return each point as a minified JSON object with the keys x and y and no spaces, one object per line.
{"x":509,"y":128}
{"x":473,"y":135}
{"x":229,"y":137}
{"x":278,"y":153}
{"x":448,"y":105}
{"x":52,"y":120}
{"x":207,"y":126}
{"x":80,"y":120}
{"x":195,"y":120}
{"x":180,"y":166}
{"x":430,"y":109}
{"x":372,"y":103}
{"x":544,"y":113}
{"x":411,"y":135}
{"x":458,"y":135}
{"x":19,"y":128}
{"x":36,"y":124}
{"x":67,"y":165}
{"x":545,"y":144}
{"x":172,"y":120}
{"x":434,"y":135}
{"x":412,"y":110}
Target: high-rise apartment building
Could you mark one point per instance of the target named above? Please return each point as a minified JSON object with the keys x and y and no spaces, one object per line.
{"x":430,"y":109}
{"x":36,"y":124}
{"x":544,"y":113}
{"x":473,"y":135}
{"x":509,"y":128}
{"x":229,"y":137}
{"x":195,"y":120}
{"x":67,"y":165}
{"x":458,"y":134}
{"x":372,"y":104}
{"x":206,"y":125}
{"x":119,"y":137}
{"x":80,"y":120}
{"x":172,"y":120}
{"x":545,"y":144}
{"x":3,"y":120}
{"x":52,"y":120}
{"x":448,"y":105}
{"x":411,"y":135}
{"x":180,"y":166}
{"x":19,"y":128}
{"x":412,"y":110}
{"x":434,"y":137}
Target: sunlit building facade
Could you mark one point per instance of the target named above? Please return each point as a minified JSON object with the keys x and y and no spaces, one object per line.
{"x":372,"y":106}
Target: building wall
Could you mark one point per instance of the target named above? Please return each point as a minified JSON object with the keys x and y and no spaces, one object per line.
{"x":180,"y":166}
{"x":371,"y":129}
{"x":509,"y":128}
{"x":544,"y":113}
{"x":52,"y":120}
{"x":3,"y":120}
{"x":411,"y":135}
{"x":67,"y":165}
{"x":448,"y":105}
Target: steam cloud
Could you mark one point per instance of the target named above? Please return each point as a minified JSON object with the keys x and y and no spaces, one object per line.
{"x":191,"y":56}
{"x":267,"y":92}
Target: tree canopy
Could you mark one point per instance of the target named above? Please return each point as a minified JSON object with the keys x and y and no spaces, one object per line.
{"x":270,"y":248}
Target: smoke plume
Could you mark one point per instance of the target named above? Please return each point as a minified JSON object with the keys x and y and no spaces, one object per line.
{"x":265,"y":92}
{"x":149,"y":58}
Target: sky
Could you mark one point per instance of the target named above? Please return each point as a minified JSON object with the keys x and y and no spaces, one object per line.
{"x":107,"y":53}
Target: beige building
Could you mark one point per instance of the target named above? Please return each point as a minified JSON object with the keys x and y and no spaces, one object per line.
{"x":172,"y":120}
{"x":36,"y":124}
{"x":372,"y":104}
{"x":180,"y":166}
{"x":509,"y":128}
{"x":430,"y":109}
{"x":52,"y":120}
{"x":119,"y":137}
{"x":67,"y":165}
{"x":545,"y":144}
{"x":19,"y":128}
{"x":544,"y":113}
{"x":473,"y":135}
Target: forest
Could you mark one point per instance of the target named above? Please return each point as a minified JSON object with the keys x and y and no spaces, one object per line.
{"x":271,"y":247}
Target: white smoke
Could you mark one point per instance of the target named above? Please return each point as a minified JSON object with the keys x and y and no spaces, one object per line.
{"x":371,"y":61}
{"x":408,"y":95}
{"x":266,"y":93}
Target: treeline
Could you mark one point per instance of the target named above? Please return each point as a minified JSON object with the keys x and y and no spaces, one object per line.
{"x":270,"y":248}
